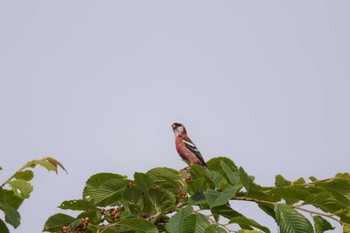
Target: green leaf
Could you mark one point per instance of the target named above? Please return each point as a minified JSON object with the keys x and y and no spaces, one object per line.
{"x":248,"y":231}
{"x":176,"y":221}
{"x":105,"y":188}
{"x":3,"y":227}
{"x":49,"y":163}
{"x":77,"y":205}
{"x":21,"y":188}
{"x":280,"y":181}
{"x":214,"y":164}
{"x":253,"y":189}
{"x":216,"y":198}
{"x":160,"y":174}
{"x":225,"y":211}
{"x":244,"y":221}
{"x":299,"y":181}
{"x":217,"y":179}
{"x":291,"y":221}
{"x":321,"y":224}
{"x":196,"y":185}
{"x":162,"y":200}
{"x":291,"y":194}
{"x":313,"y":179}
{"x":24,"y":175}
{"x":195,"y":223}
{"x":107,"y":229}
{"x":132,"y":200}
{"x":143,"y":182}
{"x":232,"y":176}
{"x":268,"y":209}
{"x":10,"y":198}
{"x":341,"y":186}
{"x":11,"y":215}
{"x":214,"y":229}
{"x":138,"y":225}
{"x":325,"y":201}
{"x":198,"y":199}
{"x":344,"y":176}
{"x":57,"y":221}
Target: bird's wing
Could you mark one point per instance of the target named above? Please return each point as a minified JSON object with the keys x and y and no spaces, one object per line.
{"x":192,"y":147}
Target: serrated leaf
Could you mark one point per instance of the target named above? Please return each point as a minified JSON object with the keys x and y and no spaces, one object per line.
{"x":225,"y":211}
{"x":11,"y":215}
{"x":132,"y":200}
{"x":24,"y":175}
{"x":248,"y":231}
{"x":138,"y":225}
{"x":244,"y":221}
{"x":107,"y":229}
{"x":312,"y":178}
{"x":268,"y":209}
{"x":195,"y":223}
{"x":21,"y":188}
{"x":344,"y":176}
{"x":280,"y":181}
{"x":217,"y":179}
{"x":143,"y":182}
{"x":196,"y":185}
{"x":321,"y":224}
{"x":198,"y":199}
{"x":341,"y":186}
{"x":291,"y":221}
{"x":105,"y":188}
{"x":176,"y":221}
{"x":77,"y":205}
{"x":49,"y":163}
{"x":216,"y":198}
{"x":232,"y":176}
{"x":253,"y":189}
{"x":159,"y":173}
{"x":291,"y":194}
{"x":57,"y":221}
{"x":299,"y":181}
{"x":9,"y":197}
{"x":3,"y":227}
{"x":214,"y":164}
{"x":214,"y":229}
{"x":325,"y":201}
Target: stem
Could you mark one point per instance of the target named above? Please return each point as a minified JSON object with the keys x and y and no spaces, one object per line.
{"x":318,"y":181}
{"x":11,"y":177}
{"x":215,"y":222}
{"x":295,"y":207}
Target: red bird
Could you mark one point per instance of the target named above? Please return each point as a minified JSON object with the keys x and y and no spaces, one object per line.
{"x":185,"y":147}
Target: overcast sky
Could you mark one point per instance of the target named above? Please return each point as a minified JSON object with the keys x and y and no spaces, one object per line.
{"x":97,"y":84}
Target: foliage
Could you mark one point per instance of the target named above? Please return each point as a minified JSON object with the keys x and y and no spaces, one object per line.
{"x":202,"y":201}
{"x":17,"y":188}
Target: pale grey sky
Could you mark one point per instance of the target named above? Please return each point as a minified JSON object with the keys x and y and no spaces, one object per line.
{"x":97,"y":84}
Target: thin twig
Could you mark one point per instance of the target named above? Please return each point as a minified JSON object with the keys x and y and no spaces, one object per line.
{"x":295,"y":207}
{"x":215,"y":222}
{"x":318,"y":181}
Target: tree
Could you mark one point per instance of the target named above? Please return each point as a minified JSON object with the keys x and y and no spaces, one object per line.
{"x":17,"y":188}
{"x":200,"y":200}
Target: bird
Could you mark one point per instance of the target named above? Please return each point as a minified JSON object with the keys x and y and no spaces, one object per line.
{"x":185,"y":147}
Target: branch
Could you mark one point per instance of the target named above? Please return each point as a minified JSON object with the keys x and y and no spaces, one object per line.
{"x":215,"y":222}
{"x":295,"y":207}
{"x":318,"y":181}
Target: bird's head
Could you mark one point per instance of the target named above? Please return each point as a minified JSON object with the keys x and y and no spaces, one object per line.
{"x":178,"y":129}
